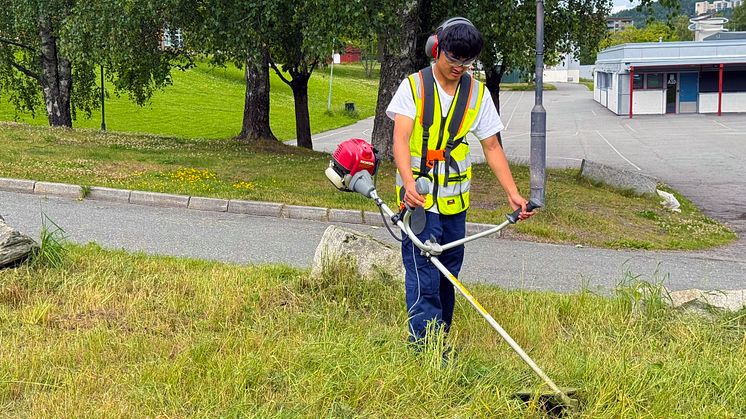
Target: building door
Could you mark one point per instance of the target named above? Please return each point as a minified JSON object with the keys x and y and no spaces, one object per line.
{"x":671,"y":87}
{"x":688,"y":92}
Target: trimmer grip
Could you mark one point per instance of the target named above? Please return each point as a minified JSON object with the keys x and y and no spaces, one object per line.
{"x":530,"y":206}
{"x":422,"y":185}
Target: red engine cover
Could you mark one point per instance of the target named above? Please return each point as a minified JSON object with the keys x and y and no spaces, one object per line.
{"x":355,"y":155}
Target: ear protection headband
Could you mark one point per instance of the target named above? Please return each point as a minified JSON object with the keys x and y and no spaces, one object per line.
{"x":431,"y":46}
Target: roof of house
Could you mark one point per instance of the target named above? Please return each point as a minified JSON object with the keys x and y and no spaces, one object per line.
{"x":726,"y":35}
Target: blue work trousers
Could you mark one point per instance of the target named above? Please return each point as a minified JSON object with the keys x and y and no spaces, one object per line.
{"x":429,"y":294}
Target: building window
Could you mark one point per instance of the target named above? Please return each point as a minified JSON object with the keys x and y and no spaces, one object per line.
{"x":604,"y":80}
{"x":734,"y":81}
{"x":654,"y":81}
{"x":637,"y":81}
{"x":708,"y":81}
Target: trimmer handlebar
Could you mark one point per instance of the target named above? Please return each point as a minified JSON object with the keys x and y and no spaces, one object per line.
{"x":530,"y":206}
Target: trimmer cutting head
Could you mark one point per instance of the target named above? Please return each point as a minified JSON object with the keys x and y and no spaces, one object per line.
{"x":550,"y":401}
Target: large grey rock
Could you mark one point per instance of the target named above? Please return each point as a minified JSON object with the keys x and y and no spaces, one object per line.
{"x":371,"y":256}
{"x":15,"y":247}
{"x":702,"y":301}
{"x":619,"y":178}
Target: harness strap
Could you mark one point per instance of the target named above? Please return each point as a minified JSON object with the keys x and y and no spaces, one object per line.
{"x":457,"y":120}
{"x":427,"y":81}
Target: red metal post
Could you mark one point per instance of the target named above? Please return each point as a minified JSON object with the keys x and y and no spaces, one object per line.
{"x":720,"y":91}
{"x":631,"y":89}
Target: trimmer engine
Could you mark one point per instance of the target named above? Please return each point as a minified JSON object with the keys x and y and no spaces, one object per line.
{"x":351,"y":156}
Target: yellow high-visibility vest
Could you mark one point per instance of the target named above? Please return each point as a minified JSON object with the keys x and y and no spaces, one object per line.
{"x":437,"y":144}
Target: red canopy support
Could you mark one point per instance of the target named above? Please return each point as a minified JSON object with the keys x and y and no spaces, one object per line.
{"x":720,"y":91}
{"x":631,"y":89}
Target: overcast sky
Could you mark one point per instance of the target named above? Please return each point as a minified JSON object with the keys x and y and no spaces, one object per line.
{"x":623,"y":4}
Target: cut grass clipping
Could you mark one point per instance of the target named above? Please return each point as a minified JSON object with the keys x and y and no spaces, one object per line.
{"x":578,"y":211}
{"x":112,"y":334}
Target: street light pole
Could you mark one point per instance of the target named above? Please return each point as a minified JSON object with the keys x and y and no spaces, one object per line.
{"x":539,"y":116}
{"x":103,"y":110}
{"x":331,"y":77}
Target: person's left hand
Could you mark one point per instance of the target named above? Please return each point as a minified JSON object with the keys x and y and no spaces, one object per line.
{"x":517,"y":201}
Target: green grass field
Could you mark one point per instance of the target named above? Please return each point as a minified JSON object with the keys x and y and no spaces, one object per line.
{"x":108,"y":334}
{"x":208,"y":102}
{"x":578,"y":211}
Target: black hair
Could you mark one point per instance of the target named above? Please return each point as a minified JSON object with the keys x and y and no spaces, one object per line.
{"x":461,"y":40}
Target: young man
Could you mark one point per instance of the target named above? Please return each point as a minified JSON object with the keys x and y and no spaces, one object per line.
{"x":433,"y":110}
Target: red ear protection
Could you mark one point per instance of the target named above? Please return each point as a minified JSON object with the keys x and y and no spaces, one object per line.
{"x":431,"y":46}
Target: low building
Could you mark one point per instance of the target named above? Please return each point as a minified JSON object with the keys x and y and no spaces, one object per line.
{"x":566,"y":71}
{"x":672,"y":77}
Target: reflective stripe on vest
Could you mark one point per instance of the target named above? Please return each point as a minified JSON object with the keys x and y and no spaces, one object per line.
{"x":434,"y":131}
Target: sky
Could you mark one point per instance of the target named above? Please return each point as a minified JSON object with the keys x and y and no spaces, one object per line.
{"x":623,"y":4}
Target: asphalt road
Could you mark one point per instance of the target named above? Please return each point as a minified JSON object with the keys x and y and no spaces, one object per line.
{"x":247,"y":239}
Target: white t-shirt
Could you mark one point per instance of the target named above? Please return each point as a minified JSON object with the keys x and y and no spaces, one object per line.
{"x":486,"y":124}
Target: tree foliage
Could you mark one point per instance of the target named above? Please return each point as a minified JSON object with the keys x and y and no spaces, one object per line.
{"x":653,"y":32}
{"x":738,"y":20}
{"x":235,"y":31}
{"x":509,"y":29}
{"x":50,"y":51}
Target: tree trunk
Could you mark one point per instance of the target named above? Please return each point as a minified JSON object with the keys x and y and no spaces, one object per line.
{"x":494,"y":75}
{"x":56,"y":78}
{"x":398,"y":62}
{"x":302,"y":120}
{"x":255,"y":126}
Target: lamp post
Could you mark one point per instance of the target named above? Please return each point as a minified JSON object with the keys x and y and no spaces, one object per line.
{"x":539,"y":115}
{"x":103,"y":110}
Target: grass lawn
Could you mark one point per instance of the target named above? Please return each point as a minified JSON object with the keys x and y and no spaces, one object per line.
{"x":578,"y":212}
{"x":111,"y":334}
{"x":208,"y":102}
{"x":587,"y":83}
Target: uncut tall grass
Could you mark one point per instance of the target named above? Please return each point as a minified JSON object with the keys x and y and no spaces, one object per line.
{"x":112,"y":334}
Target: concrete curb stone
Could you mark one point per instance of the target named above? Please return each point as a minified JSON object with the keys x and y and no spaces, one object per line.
{"x":373,"y":218}
{"x":109,"y":194}
{"x":156,"y":199}
{"x":17,"y":185}
{"x":267,"y":209}
{"x":58,"y":189}
{"x":259,"y":208}
{"x":305,"y":213}
{"x":475,"y":228}
{"x":208,"y":204}
{"x":345,"y":216}
{"x":625,"y":179}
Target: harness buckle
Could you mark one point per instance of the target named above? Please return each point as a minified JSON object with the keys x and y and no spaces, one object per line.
{"x":433,"y":156}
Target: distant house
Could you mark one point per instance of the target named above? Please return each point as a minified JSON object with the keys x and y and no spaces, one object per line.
{"x":351,"y":55}
{"x":616,"y":24}
{"x":566,"y":71}
{"x":171,"y":38}
{"x":702,"y":7}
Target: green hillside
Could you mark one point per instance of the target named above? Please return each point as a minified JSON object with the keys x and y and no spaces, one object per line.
{"x":207,"y":102}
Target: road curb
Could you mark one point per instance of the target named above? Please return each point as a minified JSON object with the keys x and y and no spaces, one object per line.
{"x":198,"y":203}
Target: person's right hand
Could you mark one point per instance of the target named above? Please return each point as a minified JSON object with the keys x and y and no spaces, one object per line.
{"x":412,"y":197}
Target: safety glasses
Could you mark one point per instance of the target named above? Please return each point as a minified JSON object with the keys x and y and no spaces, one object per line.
{"x":454,"y":62}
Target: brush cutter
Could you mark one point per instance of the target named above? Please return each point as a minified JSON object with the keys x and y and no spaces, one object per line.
{"x":347,"y":174}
